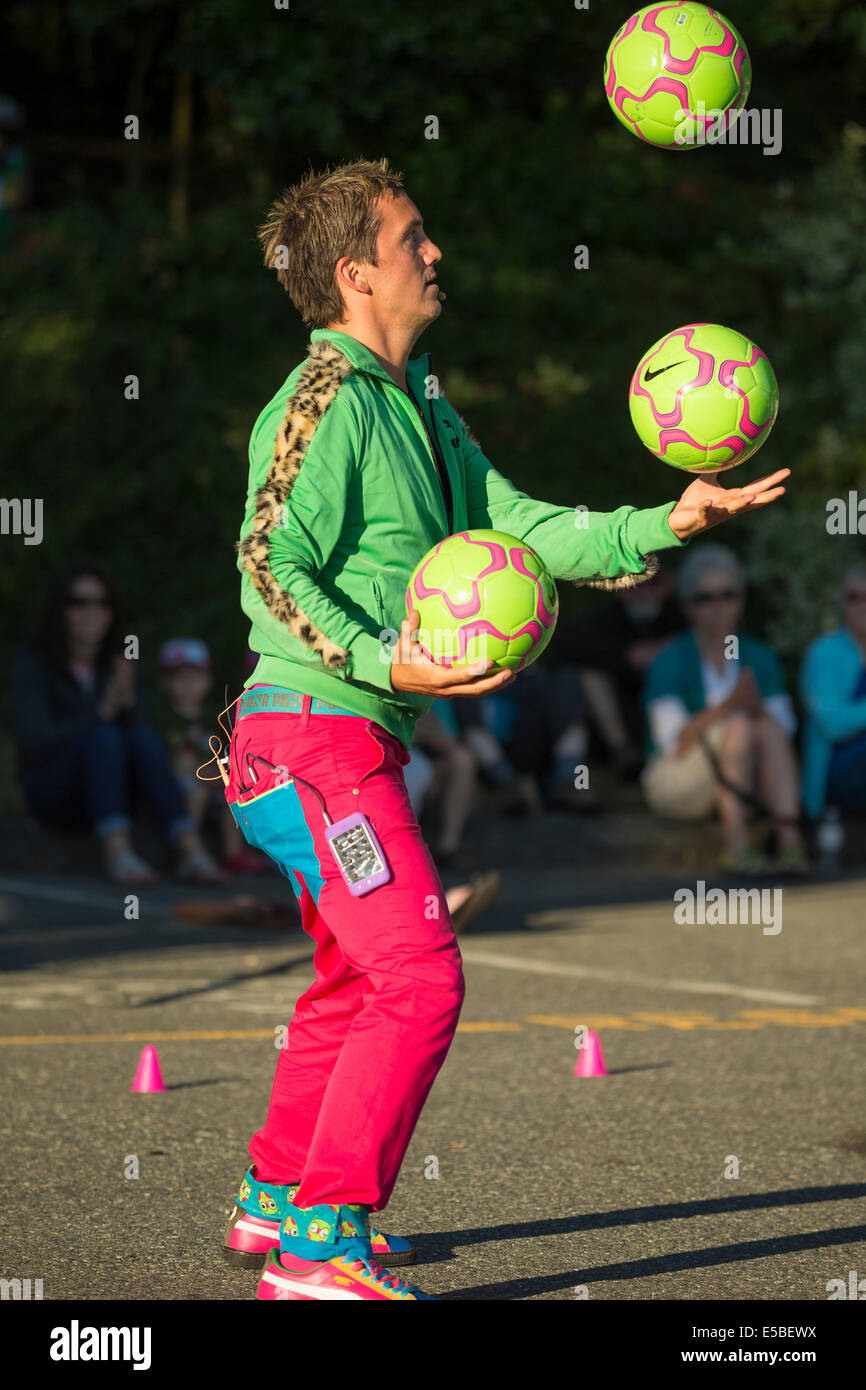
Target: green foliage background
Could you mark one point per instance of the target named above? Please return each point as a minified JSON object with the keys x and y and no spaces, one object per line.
{"x":99,"y":281}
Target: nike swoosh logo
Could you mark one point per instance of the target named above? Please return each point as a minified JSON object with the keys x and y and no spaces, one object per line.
{"x":648,"y":375}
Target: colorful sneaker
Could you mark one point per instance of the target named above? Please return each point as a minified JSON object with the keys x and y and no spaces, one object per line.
{"x":345,"y":1277}
{"x":254,"y":1227}
{"x":391,"y":1250}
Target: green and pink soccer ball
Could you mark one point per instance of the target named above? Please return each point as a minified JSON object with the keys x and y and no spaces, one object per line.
{"x":483,"y":595}
{"x":677,"y":75}
{"x":703,"y":398}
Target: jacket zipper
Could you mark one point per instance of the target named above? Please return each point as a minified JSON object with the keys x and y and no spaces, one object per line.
{"x":438,"y":461}
{"x":377,"y":595}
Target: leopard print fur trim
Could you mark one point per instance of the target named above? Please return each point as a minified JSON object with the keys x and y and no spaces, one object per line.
{"x":322,"y":376}
{"x":625,"y":581}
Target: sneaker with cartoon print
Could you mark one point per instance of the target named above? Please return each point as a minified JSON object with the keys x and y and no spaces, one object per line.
{"x":260,"y":1208}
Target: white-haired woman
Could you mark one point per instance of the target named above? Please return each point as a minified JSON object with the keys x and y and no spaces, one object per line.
{"x":720,"y":721}
{"x":833,"y":690}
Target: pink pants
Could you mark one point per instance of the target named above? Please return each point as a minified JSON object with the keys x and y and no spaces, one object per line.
{"x":369,"y":1036}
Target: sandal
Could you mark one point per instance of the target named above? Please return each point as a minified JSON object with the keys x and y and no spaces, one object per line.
{"x":198,"y":867}
{"x":127,"y":867}
{"x":485,"y":888}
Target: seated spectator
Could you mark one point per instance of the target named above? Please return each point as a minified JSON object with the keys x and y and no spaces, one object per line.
{"x":611,"y":647}
{"x":186,"y":679}
{"x":833,"y":691}
{"x":720,"y":721}
{"x":450,"y":778}
{"x":85,"y":746}
{"x":14,"y":177}
{"x":448,"y":768}
{"x":530,"y":740}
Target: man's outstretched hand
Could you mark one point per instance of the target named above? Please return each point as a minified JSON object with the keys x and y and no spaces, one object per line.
{"x":412,"y":670}
{"x":706,"y":503}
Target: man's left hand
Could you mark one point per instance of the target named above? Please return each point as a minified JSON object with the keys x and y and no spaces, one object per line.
{"x":705,"y":503}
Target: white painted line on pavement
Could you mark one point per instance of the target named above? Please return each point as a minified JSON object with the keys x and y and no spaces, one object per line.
{"x":60,"y":895}
{"x":589,"y":972}
{"x":46,"y":935}
{"x":472,"y":957}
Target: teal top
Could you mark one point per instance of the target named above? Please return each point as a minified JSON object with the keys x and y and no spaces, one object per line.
{"x":677,"y":671}
{"x":829,"y":677}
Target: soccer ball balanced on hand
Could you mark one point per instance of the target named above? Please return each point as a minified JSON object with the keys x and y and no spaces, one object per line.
{"x":703,"y":398}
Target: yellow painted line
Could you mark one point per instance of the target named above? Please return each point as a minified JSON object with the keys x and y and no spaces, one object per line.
{"x":593,"y":1021}
{"x":490,"y":1028}
{"x":683,"y":1020}
{"x":734,"y":1025}
{"x":638,"y":1022}
{"x":748,"y":1020}
{"x":797,"y":1018}
{"x":213,"y":1035}
{"x":210,"y":1035}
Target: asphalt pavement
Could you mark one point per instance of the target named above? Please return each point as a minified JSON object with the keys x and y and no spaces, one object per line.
{"x":722,"y":1157}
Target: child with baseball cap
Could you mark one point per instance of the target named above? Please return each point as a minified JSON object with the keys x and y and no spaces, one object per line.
{"x":186,"y":677}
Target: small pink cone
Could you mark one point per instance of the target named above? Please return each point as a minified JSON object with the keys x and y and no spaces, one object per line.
{"x":590,"y":1059}
{"x":148,"y":1077}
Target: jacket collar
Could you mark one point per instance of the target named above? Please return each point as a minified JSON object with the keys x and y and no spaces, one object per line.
{"x":362,"y":359}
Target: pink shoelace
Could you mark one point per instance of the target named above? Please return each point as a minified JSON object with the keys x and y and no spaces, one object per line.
{"x":388,"y":1281}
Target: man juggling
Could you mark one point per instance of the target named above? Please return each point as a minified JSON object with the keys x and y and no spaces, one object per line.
{"x":354,"y":474}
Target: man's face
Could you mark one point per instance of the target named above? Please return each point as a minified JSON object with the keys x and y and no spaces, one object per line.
{"x":402,"y":282}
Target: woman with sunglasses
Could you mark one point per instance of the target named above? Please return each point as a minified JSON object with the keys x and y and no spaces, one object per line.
{"x":721,"y":723}
{"x":833,"y":691}
{"x":83,"y":736}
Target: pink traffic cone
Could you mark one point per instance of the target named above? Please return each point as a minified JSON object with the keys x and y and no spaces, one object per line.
{"x":148,"y":1077}
{"x":590,"y":1059}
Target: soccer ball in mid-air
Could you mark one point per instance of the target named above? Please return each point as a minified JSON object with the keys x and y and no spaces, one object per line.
{"x":483,"y":595}
{"x":703,"y":398}
{"x":677,"y":75}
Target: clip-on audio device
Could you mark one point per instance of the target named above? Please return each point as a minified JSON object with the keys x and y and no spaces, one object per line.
{"x":353,"y":842}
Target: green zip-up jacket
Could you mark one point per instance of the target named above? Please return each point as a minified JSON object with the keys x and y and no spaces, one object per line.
{"x":351,"y":482}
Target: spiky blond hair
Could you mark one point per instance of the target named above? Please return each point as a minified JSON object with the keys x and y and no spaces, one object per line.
{"x":311,"y":225}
